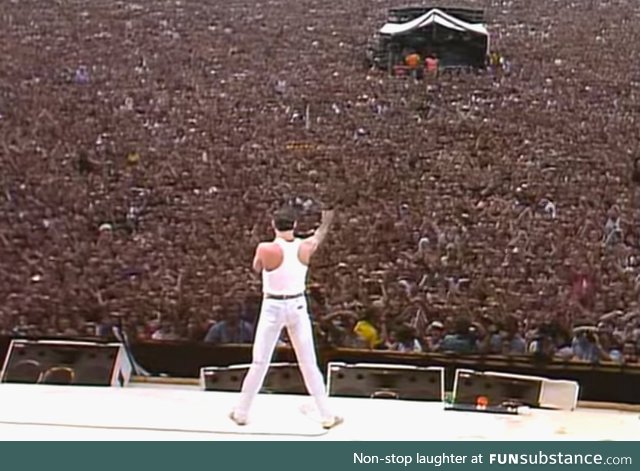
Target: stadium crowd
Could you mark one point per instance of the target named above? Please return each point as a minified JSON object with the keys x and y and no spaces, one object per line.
{"x":143,"y":147}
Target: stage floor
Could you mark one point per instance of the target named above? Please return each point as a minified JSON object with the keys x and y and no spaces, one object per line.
{"x":153,"y":412}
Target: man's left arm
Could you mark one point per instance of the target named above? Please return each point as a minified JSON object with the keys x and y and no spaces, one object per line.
{"x":257,"y":260}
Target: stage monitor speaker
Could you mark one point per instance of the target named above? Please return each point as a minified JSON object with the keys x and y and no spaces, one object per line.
{"x":66,"y":363}
{"x":282,"y":378}
{"x":492,"y":389}
{"x":386,"y":381}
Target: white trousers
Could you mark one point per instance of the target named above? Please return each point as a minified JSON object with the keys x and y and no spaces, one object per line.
{"x":274,"y":316}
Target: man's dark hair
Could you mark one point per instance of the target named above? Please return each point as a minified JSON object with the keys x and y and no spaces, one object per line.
{"x":284,"y":219}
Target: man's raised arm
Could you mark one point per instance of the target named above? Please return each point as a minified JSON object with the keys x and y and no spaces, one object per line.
{"x":321,"y":233}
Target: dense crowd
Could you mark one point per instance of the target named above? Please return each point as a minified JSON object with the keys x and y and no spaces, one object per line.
{"x":143,"y":147}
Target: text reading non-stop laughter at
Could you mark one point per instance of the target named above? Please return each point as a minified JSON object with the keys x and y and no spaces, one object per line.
{"x":406,"y":460}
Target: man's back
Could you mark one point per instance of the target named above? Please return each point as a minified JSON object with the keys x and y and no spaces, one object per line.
{"x":283,"y":272}
{"x":273,"y":253}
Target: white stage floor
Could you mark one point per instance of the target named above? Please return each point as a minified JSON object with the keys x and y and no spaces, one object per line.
{"x":152,"y":412}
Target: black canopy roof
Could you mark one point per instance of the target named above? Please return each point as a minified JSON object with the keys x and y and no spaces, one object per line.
{"x":402,"y":15}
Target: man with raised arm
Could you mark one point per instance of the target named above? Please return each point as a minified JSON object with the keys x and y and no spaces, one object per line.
{"x":284,"y":263}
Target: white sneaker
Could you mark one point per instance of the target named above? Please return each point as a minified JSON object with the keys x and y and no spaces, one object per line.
{"x":237,"y":420}
{"x":329,"y":424}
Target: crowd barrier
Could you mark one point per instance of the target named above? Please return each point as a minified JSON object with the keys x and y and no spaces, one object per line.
{"x":603,"y":382}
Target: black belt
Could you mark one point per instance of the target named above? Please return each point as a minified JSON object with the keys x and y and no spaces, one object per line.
{"x":283,"y":297}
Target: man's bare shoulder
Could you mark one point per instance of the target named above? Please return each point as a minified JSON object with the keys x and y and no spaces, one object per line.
{"x":269,"y":247}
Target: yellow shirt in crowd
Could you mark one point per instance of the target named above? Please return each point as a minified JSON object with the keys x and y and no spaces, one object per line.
{"x":368,"y":333}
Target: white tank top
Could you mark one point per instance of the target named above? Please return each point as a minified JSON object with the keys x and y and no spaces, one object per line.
{"x":291,"y":276}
